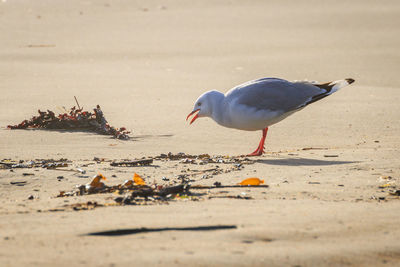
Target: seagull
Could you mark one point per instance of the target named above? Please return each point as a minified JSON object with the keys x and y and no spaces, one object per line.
{"x":258,"y":104}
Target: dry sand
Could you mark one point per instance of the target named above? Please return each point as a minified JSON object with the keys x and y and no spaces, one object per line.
{"x":145,"y":62}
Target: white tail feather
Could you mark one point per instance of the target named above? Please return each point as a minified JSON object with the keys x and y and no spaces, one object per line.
{"x":336,"y":85}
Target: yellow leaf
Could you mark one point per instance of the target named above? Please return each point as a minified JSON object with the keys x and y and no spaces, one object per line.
{"x":385,"y":185}
{"x":252,"y":181}
{"x":138,"y":180}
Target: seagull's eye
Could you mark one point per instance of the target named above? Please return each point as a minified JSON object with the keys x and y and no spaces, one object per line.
{"x":199,"y":104}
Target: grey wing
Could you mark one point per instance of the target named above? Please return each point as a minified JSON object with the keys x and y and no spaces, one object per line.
{"x":275,"y":94}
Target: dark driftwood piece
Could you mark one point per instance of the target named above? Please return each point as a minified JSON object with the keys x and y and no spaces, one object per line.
{"x":149,"y":192}
{"x":172,"y":190}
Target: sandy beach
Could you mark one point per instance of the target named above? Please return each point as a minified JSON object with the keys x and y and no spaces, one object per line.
{"x":331,"y":169}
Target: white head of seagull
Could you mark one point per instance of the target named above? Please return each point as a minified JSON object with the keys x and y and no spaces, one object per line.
{"x":255,"y":105}
{"x":208,"y":104}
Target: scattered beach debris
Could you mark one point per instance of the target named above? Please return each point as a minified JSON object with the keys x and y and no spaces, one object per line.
{"x":204,"y":159}
{"x":181,"y":155}
{"x":84,"y":206}
{"x":67,"y":170}
{"x":99,"y":160}
{"x":37,"y":163}
{"x":387,"y":185}
{"x":227,"y":186}
{"x":53,"y":165}
{"x":230,"y":196}
{"x":222,"y":164}
{"x":174,"y":186}
{"x":384,"y":178}
{"x":74,"y":119}
{"x":81,"y":170}
{"x":132,"y":163}
{"x":252,"y":181}
{"x":314,"y":148}
{"x":135,"y":191}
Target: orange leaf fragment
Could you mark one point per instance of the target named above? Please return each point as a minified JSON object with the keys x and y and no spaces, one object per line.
{"x":128,"y":183}
{"x":138,"y":180}
{"x":96,"y":181}
{"x":252,"y":181}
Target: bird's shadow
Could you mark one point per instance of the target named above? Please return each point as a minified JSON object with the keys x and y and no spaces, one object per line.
{"x":303,"y":162}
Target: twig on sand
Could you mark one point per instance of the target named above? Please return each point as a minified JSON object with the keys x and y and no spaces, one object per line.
{"x":76,"y":100}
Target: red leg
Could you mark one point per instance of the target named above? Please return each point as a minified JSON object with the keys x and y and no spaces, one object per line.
{"x":260,"y":149}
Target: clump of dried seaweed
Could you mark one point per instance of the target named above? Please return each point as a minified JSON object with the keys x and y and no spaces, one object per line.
{"x":74,"y":119}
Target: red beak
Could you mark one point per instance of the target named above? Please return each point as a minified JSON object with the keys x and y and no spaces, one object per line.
{"x":195,"y":117}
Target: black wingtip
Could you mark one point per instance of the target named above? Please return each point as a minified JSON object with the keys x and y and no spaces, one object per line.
{"x":350,"y":80}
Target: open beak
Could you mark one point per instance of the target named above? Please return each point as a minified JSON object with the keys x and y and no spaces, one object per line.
{"x":195,"y":117}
